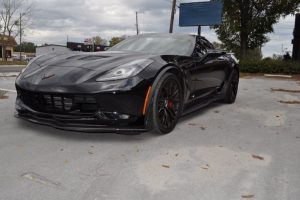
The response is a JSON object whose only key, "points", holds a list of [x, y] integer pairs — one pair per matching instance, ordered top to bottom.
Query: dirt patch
{"points": [[250, 75], [295, 77], [284, 90], [3, 94], [3, 97], [290, 102], [192, 124], [258, 157], [248, 196]]}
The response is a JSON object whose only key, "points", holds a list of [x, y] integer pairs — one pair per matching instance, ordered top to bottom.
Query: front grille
{"points": [[58, 103]]}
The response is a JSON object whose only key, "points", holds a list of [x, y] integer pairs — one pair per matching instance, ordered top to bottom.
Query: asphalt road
{"points": [[11, 68], [249, 150]]}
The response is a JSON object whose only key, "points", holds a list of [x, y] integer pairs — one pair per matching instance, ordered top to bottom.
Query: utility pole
{"points": [[172, 16], [137, 23], [20, 37], [296, 40]]}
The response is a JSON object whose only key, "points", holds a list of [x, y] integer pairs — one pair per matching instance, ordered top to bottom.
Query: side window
{"points": [[207, 44], [200, 49]]}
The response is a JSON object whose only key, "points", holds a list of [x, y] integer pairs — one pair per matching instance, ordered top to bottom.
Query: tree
{"points": [[12, 13], [246, 22], [116, 40], [99, 41], [219, 46], [27, 47], [254, 54]]}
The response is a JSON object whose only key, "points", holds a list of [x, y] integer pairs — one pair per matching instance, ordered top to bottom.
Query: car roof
{"points": [[167, 35]]}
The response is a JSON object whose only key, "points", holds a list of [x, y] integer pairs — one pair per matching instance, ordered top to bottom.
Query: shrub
{"points": [[270, 66]]}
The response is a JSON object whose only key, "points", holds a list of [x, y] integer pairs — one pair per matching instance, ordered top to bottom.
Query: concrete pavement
{"points": [[11, 68], [248, 150]]}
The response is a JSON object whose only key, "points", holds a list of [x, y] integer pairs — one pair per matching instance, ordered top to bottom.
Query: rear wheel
{"points": [[232, 89], [167, 104]]}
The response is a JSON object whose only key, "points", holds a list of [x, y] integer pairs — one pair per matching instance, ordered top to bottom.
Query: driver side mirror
{"points": [[208, 56]]}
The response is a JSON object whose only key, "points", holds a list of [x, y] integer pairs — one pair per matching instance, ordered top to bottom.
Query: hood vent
{"points": [[92, 57]]}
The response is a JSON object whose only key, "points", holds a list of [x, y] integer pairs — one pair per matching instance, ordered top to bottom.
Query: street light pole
{"points": [[172, 16]]}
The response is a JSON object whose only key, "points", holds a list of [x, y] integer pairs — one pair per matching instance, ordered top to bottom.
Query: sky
{"points": [[53, 21]]}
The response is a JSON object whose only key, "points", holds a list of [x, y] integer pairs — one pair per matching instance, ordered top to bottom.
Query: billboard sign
{"points": [[201, 13], [88, 41]]}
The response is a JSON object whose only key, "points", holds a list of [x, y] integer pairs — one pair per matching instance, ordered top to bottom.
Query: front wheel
{"points": [[167, 104]]}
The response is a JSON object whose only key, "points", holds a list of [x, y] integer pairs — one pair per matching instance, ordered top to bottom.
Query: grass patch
{"points": [[13, 62], [270, 67]]}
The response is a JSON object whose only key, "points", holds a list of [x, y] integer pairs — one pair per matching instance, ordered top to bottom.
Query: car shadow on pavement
{"points": [[201, 111], [81, 136], [114, 137]]}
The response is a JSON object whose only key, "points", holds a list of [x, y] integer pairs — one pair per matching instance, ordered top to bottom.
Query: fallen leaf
{"points": [[192, 124], [203, 128], [90, 152], [177, 154], [258, 157], [66, 162], [166, 166], [204, 168], [248, 196]]}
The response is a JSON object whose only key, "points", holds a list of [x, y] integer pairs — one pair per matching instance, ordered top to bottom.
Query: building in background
{"points": [[9, 43], [85, 47], [50, 48]]}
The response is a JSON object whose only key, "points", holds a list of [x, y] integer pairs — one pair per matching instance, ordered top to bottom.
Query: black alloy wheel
{"points": [[232, 89], [167, 104]]}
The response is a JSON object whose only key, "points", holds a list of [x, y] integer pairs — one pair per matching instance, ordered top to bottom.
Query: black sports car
{"points": [[143, 83]]}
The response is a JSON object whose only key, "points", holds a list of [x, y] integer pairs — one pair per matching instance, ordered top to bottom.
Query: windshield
{"points": [[182, 45]]}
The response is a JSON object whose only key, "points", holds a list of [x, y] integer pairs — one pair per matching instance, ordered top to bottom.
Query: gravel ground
{"points": [[249, 150]]}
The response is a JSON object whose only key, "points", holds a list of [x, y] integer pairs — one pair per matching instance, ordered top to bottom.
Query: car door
{"points": [[208, 72]]}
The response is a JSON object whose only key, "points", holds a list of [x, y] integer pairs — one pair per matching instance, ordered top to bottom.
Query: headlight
{"points": [[125, 71]]}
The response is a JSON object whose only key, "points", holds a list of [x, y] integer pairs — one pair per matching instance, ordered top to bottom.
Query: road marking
{"points": [[6, 90]]}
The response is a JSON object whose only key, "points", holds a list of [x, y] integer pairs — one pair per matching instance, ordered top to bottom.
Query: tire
{"points": [[232, 89], [167, 104]]}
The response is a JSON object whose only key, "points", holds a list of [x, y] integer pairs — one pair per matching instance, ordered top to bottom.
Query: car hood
{"points": [[98, 61], [73, 68]]}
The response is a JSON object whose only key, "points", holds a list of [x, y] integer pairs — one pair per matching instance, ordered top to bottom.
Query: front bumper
{"points": [[75, 123]]}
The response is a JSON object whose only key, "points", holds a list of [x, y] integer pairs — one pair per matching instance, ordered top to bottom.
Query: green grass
{"points": [[13, 63], [270, 67]]}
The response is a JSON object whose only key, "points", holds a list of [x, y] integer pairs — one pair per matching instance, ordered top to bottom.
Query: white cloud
{"points": [[53, 20]]}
